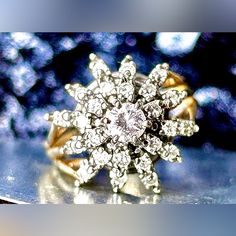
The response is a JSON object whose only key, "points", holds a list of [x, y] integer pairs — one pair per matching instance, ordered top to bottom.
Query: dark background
{"points": [[35, 66]]}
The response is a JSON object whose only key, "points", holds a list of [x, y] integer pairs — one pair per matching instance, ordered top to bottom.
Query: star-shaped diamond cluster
{"points": [[123, 123]]}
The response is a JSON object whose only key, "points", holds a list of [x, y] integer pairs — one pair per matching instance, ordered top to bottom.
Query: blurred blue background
{"points": [[35, 66]]}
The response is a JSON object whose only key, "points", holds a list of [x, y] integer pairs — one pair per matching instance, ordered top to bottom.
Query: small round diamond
{"points": [[127, 69], [159, 74], [106, 88], [126, 90], [148, 91], [80, 93], [172, 98], [95, 106], [153, 109], [62, 118], [80, 120], [126, 122], [169, 128], [95, 137], [153, 144], [171, 153], [101, 157], [121, 159], [143, 163], [85, 172], [118, 178]]}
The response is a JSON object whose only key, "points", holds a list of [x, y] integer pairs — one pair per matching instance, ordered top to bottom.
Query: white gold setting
{"points": [[123, 124]]}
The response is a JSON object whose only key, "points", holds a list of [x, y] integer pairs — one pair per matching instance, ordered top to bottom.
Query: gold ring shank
{"points": [[58, 136]]}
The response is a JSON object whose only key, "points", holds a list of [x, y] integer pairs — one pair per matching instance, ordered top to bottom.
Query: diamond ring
{"points": [[125, 121]]}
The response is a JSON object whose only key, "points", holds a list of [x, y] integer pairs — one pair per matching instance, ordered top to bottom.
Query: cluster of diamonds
{"points": [[122, 124]]}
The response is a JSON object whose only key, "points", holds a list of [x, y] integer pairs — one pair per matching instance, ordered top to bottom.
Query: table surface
{"points": [[27, 176]]}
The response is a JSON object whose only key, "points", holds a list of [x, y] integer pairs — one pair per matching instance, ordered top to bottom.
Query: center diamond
{"points": [[127, 122]]}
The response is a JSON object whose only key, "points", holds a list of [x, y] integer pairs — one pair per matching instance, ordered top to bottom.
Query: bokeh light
{"points": [[176, 44], [34, 68]]}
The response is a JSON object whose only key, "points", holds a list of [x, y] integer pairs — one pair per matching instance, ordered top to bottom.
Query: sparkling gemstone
{"points": [[98, 67], [127, 69], [159, 74], [106, 88], [126, 90], [77, 91], [148, 91], [80, 92], [173, 97], [95, 106], [153, 109], [62, 118], [80, 120], [127, 122], [187, 127], [169, 128], [196, 128], [95, 137], [153, 144], [170, 152], [101, 157], [121, 159], [143, 163], [84, 173], [118, 178], [150, 179]]}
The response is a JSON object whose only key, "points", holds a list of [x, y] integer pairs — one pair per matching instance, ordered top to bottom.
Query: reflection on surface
{"points": [[27, 176], [56, 187]]}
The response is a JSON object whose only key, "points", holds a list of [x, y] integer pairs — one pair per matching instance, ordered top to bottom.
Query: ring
{"points": [[125, 121]]}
